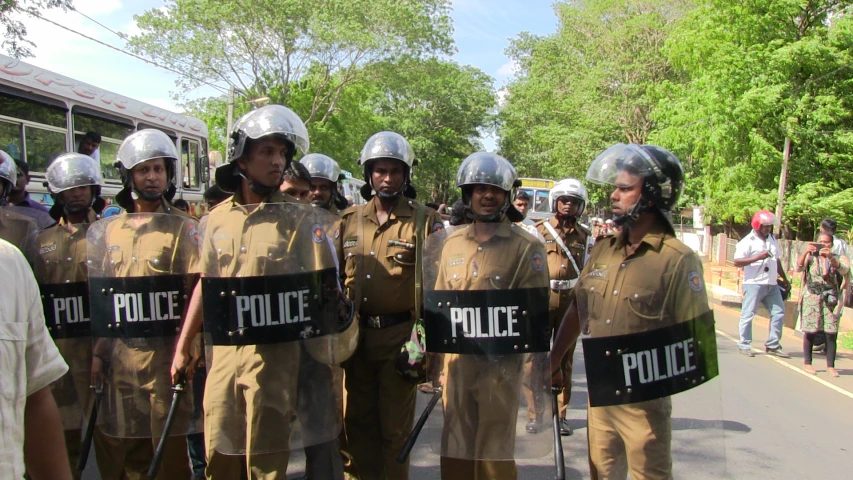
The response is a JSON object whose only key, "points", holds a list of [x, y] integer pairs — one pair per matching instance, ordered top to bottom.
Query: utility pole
{"points": [[230, 115], [783, 182]]}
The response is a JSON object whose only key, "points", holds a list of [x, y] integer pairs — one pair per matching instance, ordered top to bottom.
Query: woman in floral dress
{"points": [[820, 307]]}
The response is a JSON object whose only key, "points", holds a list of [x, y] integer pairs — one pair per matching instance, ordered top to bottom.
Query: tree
{"points": [[16, 43], [265, 47], [750, 75], [595, 82]]}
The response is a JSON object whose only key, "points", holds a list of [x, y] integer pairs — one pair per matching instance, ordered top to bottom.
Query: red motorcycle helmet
{"points": [[762, 217]]}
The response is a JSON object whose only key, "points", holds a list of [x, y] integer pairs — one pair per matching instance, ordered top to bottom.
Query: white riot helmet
{"points": [[270, 120], [387, 145], [140, 147], [325, 167], [483, 168], [72, 170], [8, 174], [568, 187]]}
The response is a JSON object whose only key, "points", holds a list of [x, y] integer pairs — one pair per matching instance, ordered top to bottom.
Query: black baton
{"points": [[177, 391], [90, 428], [558, 440], [410, 441]]}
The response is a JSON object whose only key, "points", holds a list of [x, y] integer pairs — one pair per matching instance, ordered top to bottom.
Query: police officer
{"points": [[325, 175], [74, 182], [297, 182], [15, 228], [566, 241], [377, 243], [640, 280], [139, 368], [481, 392], [248, 433]]}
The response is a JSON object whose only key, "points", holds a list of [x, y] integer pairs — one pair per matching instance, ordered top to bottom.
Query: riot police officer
{"points": [[325, 175], [74, 182], [15, 228], [150, 241], [265, 241], [566, 242], [377, 244], [641, 280], [486, 335]]}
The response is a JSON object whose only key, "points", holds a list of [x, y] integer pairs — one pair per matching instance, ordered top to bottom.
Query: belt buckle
{"points": [[374, 322]]}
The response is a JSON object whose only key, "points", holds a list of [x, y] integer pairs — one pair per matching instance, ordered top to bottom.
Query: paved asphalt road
{"points": [[763, 418]]}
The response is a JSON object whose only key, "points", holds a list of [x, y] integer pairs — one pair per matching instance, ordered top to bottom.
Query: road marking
{"points": [[788, 365]]}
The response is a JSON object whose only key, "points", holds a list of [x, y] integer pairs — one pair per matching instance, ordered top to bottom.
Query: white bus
{"points": [[44, 114]]}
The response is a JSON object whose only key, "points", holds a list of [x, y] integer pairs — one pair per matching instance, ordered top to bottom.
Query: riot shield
{"points": [[18, 229], [59, 264], [139, 280], [485, 312], [276, 324], [651, 367]]}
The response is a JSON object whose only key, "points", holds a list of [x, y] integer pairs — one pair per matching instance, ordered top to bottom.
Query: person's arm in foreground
{"points": [[44, 441]]}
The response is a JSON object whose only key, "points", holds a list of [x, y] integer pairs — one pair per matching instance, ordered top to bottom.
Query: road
{"points": [[763, 418]]}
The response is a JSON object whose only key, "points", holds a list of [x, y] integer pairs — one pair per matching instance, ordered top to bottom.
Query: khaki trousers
{"points": [[380, 406], [480, 408], [633, 438]]}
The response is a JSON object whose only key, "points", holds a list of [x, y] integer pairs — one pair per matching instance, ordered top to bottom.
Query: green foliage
{"points": [[15, 42], [751, 74]]}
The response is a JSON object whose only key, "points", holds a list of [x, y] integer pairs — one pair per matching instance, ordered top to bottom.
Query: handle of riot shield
{"points": [[177, 390], [413, 437], [86, 446], [559, 459]]}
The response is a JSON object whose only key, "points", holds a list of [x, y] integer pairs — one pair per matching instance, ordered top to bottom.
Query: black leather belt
{"points": [[385, 321]]}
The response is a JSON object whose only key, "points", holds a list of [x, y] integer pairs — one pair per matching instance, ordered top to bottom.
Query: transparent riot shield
{"points": [[18, 229], [60, 267], [139, 281], [486, 314], [276, 326], [651, 368]]}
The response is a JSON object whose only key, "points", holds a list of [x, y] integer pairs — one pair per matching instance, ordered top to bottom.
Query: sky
{"points": [[482, 31]]}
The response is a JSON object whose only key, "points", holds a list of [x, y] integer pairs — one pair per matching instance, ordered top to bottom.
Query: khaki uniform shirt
{"points": [[576, 239], [246, 242], [139, 245], [62, 252], [386, 278], [661, 284]]}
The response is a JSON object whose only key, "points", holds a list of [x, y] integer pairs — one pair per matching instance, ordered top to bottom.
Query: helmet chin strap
{"points": [[259, 189], [389, 196], [148, 197]]}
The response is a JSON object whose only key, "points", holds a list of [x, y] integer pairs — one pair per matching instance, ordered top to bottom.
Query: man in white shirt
{"points": [[758, 255], [31, 429]]}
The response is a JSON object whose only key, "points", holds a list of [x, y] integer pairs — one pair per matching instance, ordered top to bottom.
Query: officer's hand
{"points": [[180, 366], [97, 374], [557, 378]]}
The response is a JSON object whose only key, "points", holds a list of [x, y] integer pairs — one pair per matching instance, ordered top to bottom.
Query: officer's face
{"points": [[265, 161], [387, 175], [150, 176], [296, 188], [321, 191], [628, 192], [77, 197], [487, 199], [521, 206], [568, 206]]}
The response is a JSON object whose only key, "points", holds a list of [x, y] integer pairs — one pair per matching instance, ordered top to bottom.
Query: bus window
{"points": [[44, 130], [112, 133], [10, 139], [189, 162], [542, 202]]}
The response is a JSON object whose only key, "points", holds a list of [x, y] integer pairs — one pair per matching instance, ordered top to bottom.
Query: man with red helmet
{"points": [[758, 255]]}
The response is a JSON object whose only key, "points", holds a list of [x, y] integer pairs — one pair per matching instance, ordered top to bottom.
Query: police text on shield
{"points": [[146, 307], [71, 308], [272, 308], [473, 322], [655, 364]]}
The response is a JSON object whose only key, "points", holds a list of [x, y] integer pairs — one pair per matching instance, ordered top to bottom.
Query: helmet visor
{"points": [[146, 145], [387, 145], [608, 165], [321, 166], [486, 169], [72, 170]]}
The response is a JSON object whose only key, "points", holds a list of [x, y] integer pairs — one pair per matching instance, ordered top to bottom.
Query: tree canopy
{"points": [[15, 41]]}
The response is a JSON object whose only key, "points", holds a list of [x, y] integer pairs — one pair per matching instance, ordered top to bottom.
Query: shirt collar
{"points": [[403, 208], [654, 238]]}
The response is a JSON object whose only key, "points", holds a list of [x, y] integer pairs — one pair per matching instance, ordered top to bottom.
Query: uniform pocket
{"points": [[590, 298], [643, 302], [13, 349]]}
